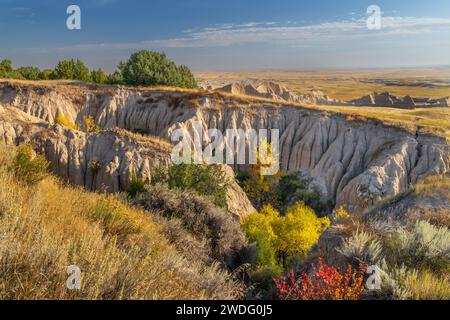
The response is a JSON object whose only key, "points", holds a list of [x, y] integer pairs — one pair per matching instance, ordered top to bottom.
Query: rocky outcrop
{"points": [[276, 91], [385, 99], [388, 100], [40, 101], [444, 102], [104, 161], [101, 162], [353, 163]]}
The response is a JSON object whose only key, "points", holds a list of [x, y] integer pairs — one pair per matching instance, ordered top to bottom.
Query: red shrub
{"points": [[325, 283]]}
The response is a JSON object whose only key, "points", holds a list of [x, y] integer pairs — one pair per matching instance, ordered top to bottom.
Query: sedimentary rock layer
{"points": [[353, 163]]}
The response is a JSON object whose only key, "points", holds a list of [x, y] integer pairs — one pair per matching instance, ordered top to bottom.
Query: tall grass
{"points": [[121, 251], [414, 261]]}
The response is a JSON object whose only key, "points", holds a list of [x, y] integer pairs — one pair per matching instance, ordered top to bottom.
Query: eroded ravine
{"points": [[354, 163]]}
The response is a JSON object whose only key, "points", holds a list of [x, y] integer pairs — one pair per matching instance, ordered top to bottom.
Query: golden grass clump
{"points": [[65, 122], [434, 186], [121, 251], [426, 285]]}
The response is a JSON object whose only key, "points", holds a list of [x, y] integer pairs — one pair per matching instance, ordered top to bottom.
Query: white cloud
{"points": [[289, 34]]}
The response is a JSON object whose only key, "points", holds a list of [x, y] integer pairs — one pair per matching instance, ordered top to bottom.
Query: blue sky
{"points": [[229, 34]]}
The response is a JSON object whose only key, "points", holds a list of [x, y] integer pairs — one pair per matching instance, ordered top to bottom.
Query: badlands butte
{"points": [[353, 160]]}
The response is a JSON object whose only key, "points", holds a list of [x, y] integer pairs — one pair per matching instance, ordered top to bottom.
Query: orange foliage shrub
{"points": [[325, 283]]}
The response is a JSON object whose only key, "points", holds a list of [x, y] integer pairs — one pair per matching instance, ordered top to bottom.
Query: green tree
{"points": [[6, 68], [148, 68], [72, 70], [29, 73], [46, 74], [98, 76], [114, 78], [187, 79], [206, 180], [292, 188], [262, 189], [259, 229], [298, 231], [281, 238]]}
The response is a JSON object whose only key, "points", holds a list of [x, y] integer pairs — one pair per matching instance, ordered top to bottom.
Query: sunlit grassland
{"points": [[348, 84], [433, 120], [121, 250]]}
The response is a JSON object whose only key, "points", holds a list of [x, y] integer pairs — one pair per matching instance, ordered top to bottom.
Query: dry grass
{"points": [[346, 84], [431, 120], [154, 142], [434, 186], [438, 216], [120, 250], [428, 286]]}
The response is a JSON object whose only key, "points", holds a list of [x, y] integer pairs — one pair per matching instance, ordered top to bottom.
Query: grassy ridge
{"points": [[433, 120], [121, 250]]}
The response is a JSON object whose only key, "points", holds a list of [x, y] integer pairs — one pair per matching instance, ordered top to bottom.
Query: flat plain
{"points": [[346, 85]]}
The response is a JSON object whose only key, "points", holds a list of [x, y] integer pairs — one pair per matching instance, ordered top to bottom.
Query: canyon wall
{"points": [[104, 162], [353, 163]]}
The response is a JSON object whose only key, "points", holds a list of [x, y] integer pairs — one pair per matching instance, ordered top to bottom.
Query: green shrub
{"points": [[6, 69], [46, 74], [187, 79], [28, 166], [206, 180], [136, 186], [292, 189], [111, 216], [201, 218], [259, 228], [425, 246]]}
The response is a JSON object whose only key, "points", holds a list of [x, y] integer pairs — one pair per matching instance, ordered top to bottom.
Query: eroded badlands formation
{"points": [[276, 91], [279, 92], [353, 163]]}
